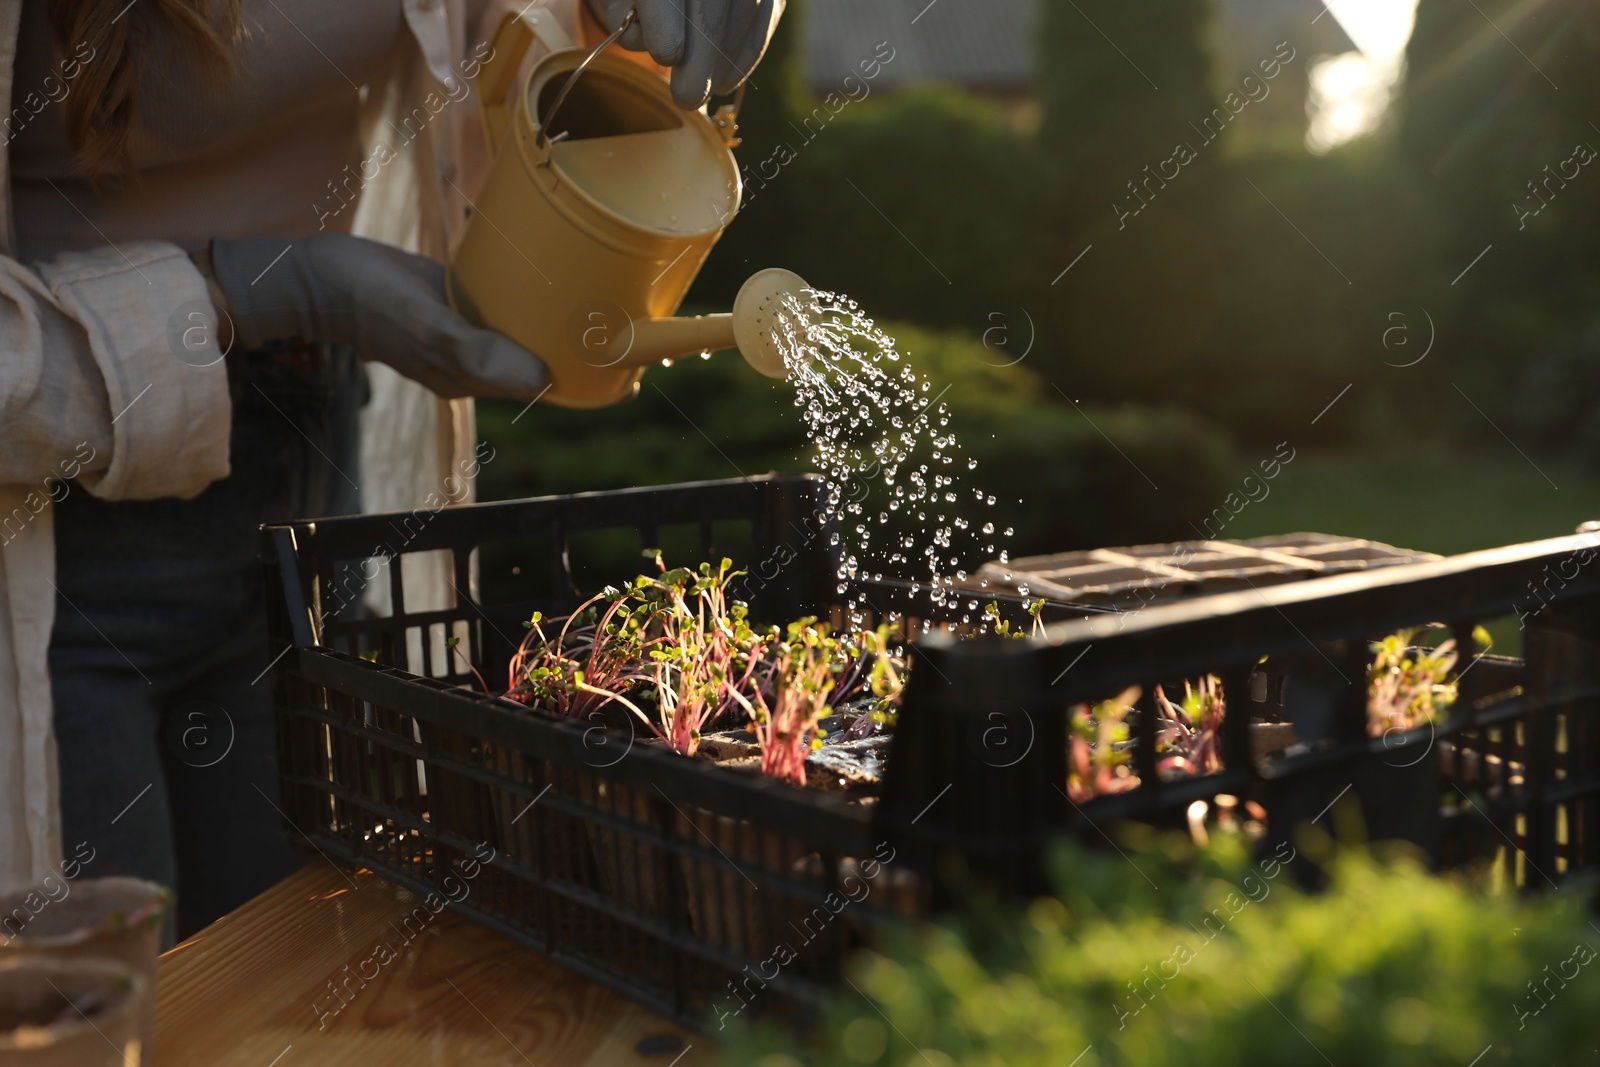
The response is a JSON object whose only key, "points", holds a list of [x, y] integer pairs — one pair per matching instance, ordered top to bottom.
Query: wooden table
{"points": [[257, 989]]}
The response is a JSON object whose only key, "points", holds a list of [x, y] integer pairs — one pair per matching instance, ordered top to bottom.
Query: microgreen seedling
{"points": [[1003, 628], [454, 645], [674, 650], [1408, 686], [787, 711], [1190, 738], [1099, 759]]}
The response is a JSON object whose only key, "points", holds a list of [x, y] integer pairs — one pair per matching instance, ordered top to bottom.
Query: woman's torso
{"points": [[260, 153]]}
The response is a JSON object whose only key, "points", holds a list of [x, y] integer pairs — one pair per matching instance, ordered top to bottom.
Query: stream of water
{"points": [[870, 416]]}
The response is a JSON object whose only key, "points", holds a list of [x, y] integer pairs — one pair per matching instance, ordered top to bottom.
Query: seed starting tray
{"points": [[1129, 578]]}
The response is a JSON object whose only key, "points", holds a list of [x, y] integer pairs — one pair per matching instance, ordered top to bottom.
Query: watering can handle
{"points": [[516, 31], [726, 118], [543, 124]]}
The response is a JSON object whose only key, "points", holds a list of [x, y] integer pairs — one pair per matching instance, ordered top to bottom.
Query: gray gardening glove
{"points": [[711, 45], [387, 304]]}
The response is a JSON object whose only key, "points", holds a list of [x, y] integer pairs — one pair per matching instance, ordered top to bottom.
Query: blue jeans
{"points": [[163, 710]]}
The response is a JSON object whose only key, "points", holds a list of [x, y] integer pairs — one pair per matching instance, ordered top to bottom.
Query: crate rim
{"points": [[336, 523]]}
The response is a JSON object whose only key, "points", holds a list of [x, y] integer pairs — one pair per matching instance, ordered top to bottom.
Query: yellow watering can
{"points": [[602, 203]]}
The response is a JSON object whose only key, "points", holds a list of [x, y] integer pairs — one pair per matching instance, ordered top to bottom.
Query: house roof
{"points": [[1249, 30], [980, 44], [988, 44]]}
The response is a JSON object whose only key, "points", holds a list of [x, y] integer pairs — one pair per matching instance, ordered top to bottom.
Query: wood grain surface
{"points": [[341, 967]]}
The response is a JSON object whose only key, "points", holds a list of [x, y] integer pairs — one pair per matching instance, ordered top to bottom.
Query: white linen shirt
{"points": [[149, 415]]}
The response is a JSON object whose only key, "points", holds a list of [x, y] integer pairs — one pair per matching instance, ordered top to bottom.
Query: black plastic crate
{"points": [[1510, 776], [682, 885], [697, 890]]}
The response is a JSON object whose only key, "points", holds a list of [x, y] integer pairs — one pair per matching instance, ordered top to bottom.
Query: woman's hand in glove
{"points": [[711, 45], [387, 304]]}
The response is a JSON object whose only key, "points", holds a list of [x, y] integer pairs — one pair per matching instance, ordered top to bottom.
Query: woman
{"points": [[188, 333]]}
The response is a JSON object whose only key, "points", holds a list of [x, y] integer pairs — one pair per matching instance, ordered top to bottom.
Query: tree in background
{"points": [[1119, 84], [1497, 101], [917, 204], [1240, 278], [1260, 281]]}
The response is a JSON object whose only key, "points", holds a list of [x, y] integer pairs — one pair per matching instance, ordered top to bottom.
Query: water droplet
{"points": [[865, 419]]}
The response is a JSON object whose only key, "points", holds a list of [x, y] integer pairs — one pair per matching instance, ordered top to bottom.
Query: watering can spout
{"points": [[750, 327]]}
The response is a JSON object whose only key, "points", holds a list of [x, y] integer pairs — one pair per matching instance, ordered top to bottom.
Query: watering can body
{"points": [[587, 234]]}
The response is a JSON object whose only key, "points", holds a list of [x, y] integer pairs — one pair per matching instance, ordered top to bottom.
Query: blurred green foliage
{"points": [[1106, 114], [1488, 126], [910, 205], [1248, 293], [715, 419], [1227, 963]]}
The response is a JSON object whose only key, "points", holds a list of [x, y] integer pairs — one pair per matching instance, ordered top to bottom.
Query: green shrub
{"points": [[1109, 112], [914, 204], [1211, 300], [698, 420], [1089, 477], [1080, 485], [1226, 964]]}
